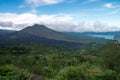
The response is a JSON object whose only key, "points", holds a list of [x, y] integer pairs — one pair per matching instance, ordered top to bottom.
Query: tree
{"points": [[117, 38], [111, 54], [9, 72]]}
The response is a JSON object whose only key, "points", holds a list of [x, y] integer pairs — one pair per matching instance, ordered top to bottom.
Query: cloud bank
{"points": [[58, 22]]}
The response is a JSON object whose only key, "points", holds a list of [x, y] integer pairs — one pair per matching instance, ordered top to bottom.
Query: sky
{"points": [[61, 15]]}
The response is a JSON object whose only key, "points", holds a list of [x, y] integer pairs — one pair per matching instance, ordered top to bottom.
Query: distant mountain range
{"points": [[2, 31], [95, 33], [42, 35], [106, 35]]}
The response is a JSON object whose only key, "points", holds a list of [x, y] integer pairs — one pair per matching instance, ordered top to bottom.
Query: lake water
{"points": [[104, 36]]}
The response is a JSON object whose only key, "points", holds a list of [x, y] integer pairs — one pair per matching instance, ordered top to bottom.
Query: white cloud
{"points": [[89, 1], [42, 2], [37, 3], [109, 5], [21, 6], [113, 12], [30, 18], [60, 22], [11, 25], [96, 26]]}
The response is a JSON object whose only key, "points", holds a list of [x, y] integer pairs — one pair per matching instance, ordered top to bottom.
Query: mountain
{"points": [[2, 31], [43, 31], [36, 34], [42, 34]]}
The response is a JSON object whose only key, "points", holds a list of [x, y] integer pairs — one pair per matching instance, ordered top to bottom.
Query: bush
{"points": [[8, 72], [86, 72], [74, 73], [110, 75]]}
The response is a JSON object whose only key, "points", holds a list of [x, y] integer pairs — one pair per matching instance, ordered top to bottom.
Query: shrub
{"points": [[9, 72]]}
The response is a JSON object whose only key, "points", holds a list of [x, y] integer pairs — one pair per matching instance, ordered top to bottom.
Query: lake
{"points": [[104, 36]]}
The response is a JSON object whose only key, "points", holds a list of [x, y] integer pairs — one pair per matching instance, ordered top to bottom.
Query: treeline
{"points": [[32, 62]]}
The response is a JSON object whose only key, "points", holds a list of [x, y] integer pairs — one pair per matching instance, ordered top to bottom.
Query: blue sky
{"points": [[61, 15]]}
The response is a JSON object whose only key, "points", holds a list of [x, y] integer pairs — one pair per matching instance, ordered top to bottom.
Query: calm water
{"points": [[104, 36]]}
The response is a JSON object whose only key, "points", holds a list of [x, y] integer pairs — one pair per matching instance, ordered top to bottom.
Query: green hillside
{"points": [[46, 62]]}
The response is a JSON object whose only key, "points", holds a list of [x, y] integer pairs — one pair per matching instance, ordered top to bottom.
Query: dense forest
{"points": [[45, 62]]}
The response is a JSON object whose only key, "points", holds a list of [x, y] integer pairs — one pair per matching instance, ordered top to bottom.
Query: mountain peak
{"points": [[38, 26], [42, 31]]}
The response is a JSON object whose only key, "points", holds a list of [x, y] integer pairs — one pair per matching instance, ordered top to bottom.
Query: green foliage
{"points": [[111, 56], [60, 63], [8, 72], [86, 72], [74, 73], [110, 75]]}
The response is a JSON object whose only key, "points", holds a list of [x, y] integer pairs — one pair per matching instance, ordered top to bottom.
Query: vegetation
{"points": [[44, 62], [9, 72]]}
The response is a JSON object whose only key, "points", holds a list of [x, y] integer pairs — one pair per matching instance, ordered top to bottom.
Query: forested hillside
{"points": [[45, 62]]}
